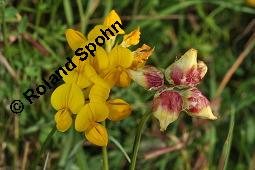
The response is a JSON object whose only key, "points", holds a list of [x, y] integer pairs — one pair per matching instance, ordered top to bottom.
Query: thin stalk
{"points": [[137, 140], [45, 144], [105, 156]]}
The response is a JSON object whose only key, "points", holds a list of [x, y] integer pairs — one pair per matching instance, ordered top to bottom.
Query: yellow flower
{"points": [[251, 2], [111, 18], [74, 38], [131, 38], [141, 55], [120, 59], [78, 75], [66, 99], [118, 109], [94, 111]]}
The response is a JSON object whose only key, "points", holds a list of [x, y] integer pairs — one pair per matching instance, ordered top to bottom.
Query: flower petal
{"points": [[111, 18], [95, 32], [74, 38], [131, 38], [141, 55], [120, 57], [101, 60], [124, 79], [68, 95], [118, 109], [89, 114], [84, 118], [63, 120], [97, 135]]}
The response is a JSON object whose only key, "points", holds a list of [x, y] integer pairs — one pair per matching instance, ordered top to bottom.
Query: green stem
{"points": [[137, 140], [45, 144], [105, 155]]}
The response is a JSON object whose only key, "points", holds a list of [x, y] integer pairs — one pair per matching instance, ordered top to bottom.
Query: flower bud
{"points": [[186, 71], [148, 77], [197, 105], [167, 106], [118, 109], [97, 135]]}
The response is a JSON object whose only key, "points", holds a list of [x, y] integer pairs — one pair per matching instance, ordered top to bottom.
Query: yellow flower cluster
{"points": [[84, 95]]}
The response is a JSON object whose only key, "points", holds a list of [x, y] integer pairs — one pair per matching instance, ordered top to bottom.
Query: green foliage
{"points": [[33, 32]]}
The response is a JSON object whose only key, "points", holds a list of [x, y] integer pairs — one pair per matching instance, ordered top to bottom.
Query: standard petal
{"points": [[111, 18], [95, 32], [74, 38], [120, 57], [101, 60], [98, 93], [68, 95], [118, 109], [63, 120], [97, 135]]}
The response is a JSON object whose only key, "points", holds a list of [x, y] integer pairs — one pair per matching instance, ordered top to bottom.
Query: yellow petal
{"points": [[111, 18], [95, 32], [74, 38], [131, 38], [141, 55], [120, 57], [101, 60], [90, 72], [78, 75], [111, 76], [124, 79], [99, 92], [68, 95], [118, 109], [100, 111], [89, 114], [84, 118], [63, 120], [97, 135]]}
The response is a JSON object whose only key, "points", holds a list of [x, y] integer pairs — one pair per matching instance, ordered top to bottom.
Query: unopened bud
{"points": [[186, 72], [148, 77], [197, 105], [167, 106]]}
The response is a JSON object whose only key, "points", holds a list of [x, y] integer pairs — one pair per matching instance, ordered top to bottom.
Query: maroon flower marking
{"points": [[169, 100], [197, 101]]}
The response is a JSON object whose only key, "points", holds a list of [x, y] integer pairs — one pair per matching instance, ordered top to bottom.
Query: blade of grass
{"points": [[68, 12], [227, 146], [120, 148]]}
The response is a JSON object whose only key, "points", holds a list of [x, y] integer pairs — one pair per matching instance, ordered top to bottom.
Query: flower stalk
{"points": [[137, 140], [105, 155]]}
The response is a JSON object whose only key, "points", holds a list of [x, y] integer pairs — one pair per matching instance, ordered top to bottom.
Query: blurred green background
{"points": [[33, 45]]}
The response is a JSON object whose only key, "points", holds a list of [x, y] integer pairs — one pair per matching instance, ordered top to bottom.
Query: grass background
{"points": [[33, 45]]}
